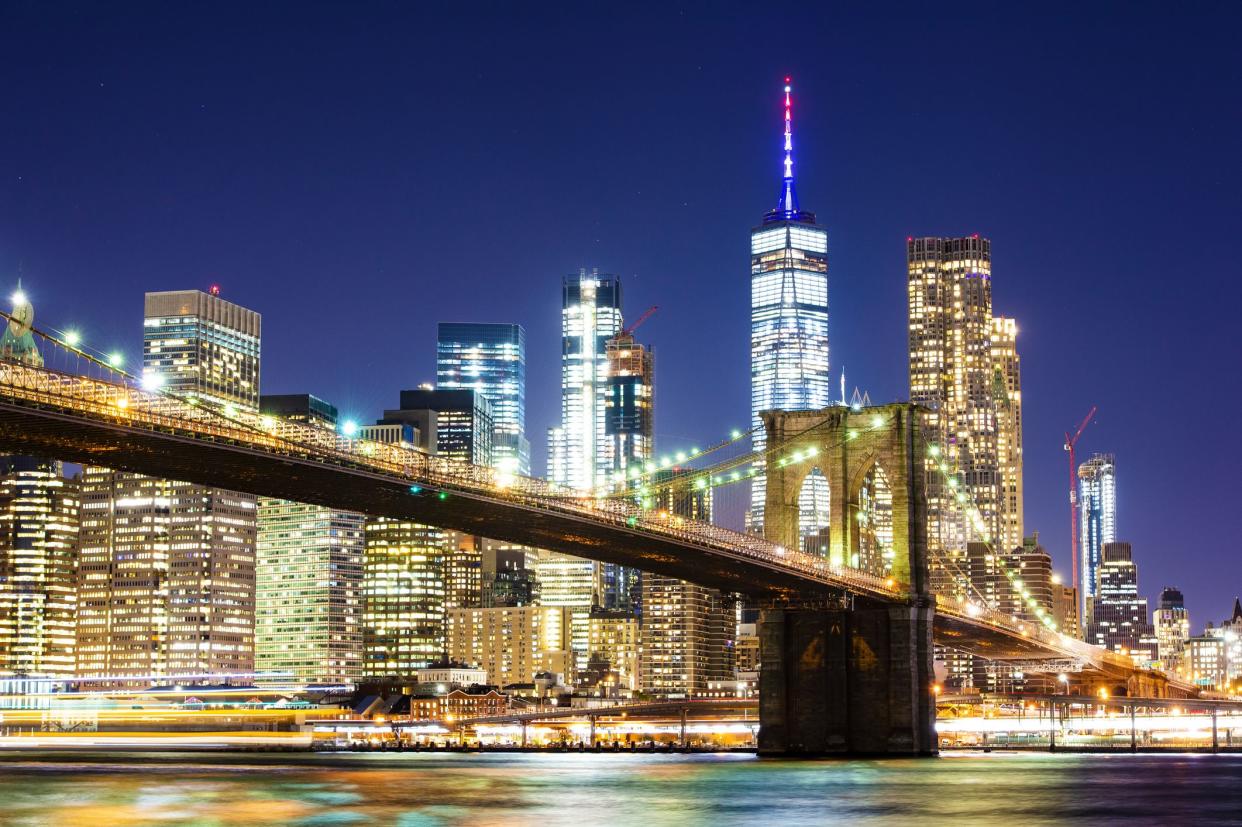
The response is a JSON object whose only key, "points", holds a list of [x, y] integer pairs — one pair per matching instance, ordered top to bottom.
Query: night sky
{"points": [[359, 173]]}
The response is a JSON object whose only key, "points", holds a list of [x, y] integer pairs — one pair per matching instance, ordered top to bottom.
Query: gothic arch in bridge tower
{"points": [[873, 459]]}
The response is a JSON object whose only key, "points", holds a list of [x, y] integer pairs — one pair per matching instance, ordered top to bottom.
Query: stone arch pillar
{"points": [[845, 444]]}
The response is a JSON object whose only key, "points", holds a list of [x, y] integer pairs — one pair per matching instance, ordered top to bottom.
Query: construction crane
{"points": [[626, 331], [1071, 443]]}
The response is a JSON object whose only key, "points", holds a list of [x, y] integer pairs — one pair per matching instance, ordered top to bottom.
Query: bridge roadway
{"points": [[117, 425]]}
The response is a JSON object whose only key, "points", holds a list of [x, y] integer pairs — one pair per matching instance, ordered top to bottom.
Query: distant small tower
{"points": [[17, 343]]}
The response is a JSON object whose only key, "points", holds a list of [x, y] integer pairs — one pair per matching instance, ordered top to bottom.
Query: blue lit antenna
{"points": [[789, 199], [787, 206]]}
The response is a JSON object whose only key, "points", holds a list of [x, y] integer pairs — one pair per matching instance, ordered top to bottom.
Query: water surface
{"points": [[650, 790]]}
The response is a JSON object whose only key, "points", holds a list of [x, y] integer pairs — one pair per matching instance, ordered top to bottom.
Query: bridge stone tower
{"points": [[845, 674]]}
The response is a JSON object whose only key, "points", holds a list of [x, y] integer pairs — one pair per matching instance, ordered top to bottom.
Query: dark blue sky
{"points": [[359, 172]]}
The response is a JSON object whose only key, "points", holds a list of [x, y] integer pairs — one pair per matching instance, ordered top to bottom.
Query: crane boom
{"points": [[637, 322], [1071, 444]]}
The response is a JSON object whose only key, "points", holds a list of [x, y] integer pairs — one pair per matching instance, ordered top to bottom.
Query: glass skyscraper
{"points": [[789, 327], [490, 359], [461, 420], [579, 449], [1097, 499]]}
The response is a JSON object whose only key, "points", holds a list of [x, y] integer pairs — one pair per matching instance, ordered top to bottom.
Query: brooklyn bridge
{"points": [[846, 650]]}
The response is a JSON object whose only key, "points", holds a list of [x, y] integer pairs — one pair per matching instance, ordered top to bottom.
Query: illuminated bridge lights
{"points": [[88, 401], [976, 521]]}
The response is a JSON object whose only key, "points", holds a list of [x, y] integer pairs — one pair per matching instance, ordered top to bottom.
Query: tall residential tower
{"points": [[964, 368], [1097, 503]]}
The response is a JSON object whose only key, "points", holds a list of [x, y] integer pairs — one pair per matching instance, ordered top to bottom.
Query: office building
{"points": [[789, 327], [490, 359], [964, 368], [629, 406], [461, 420], [629, 426], [579, 450], [1097, 510], [38, 540], [38, 567], [167, 568], [463, 570], [508, 575], [1031, 580], [573, 584], [1018, 584], [403, 597], [1065, 608], [308, 615], [1119, 620], [1172, 625], [688, 629], [1229, 633], [512, 643], [615, 645], [1205, 661]]}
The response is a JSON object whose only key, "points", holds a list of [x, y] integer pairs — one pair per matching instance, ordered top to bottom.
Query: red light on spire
{"points": [[788, 79]]}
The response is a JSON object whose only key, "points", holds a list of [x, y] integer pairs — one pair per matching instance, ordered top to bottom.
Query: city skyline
{"points": [[63, 290]]}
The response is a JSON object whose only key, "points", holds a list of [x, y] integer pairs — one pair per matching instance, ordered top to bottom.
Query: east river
{"points": [[546, 790]]}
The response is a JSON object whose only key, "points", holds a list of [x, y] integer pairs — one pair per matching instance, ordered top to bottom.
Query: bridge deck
{"points": [[80, 419]]}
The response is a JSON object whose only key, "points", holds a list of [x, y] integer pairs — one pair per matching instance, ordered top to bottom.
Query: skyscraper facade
{"points": [[789, 327], [490, 359], [964, 368], [1007, 393], [629, 406], [461, 418], [629, 427], [579, 449], [1097, 503], [38, 540], [38, 567], [167, 568], [574, 584], [308, 595], [403, 597], [1119, 620], [1172, 628], [688, 629], [513, 644]]}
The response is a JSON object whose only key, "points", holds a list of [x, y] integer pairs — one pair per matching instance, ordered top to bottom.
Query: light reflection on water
{"points": [[413, 790]]}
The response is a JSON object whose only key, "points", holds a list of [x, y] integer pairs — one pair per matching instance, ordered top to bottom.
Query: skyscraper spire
{"points": [[789, 198], [787, 205]]}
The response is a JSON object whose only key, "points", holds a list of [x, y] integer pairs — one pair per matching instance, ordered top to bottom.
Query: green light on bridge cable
{"points": [[414, 489], [443, 495]]}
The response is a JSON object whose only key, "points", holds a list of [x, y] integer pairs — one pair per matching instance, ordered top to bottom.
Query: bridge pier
{"points": [[837, 681]]}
